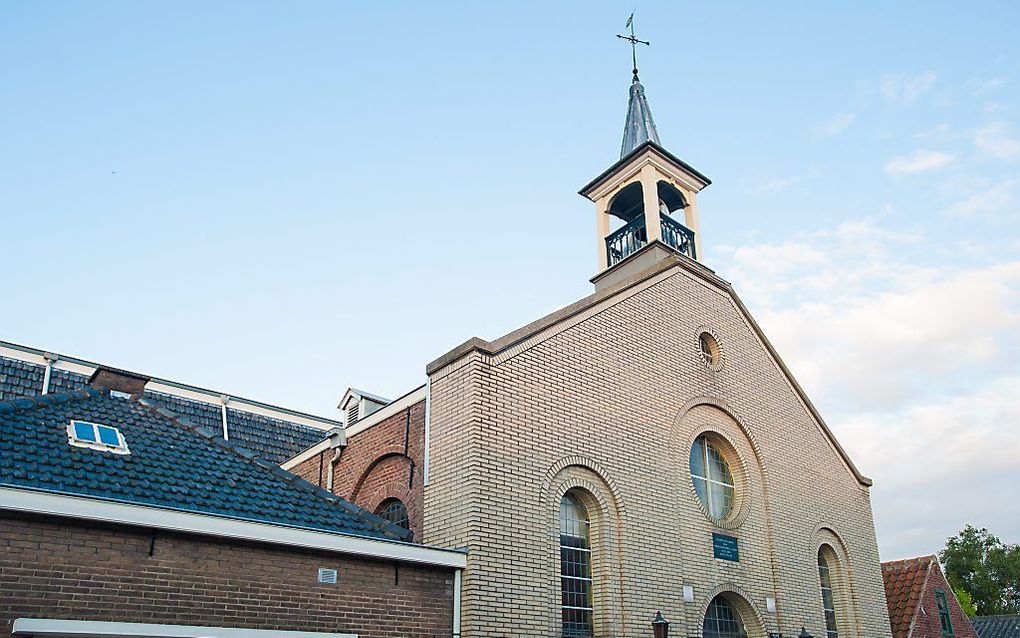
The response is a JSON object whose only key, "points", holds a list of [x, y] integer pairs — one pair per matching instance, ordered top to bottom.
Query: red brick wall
{"points": [[374, 466], [59, 568], [926, 621]]}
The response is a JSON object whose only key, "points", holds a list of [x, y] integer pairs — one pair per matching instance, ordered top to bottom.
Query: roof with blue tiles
{"points": [[273, 439], [171, 463]]}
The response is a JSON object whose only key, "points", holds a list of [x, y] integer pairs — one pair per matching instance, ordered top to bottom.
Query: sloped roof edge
{"points": [[477, 344]]}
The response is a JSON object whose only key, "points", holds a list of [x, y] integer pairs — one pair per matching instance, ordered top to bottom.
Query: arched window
{"points": [[393, 510], [575, 567], [828, 600], [722, 620]]}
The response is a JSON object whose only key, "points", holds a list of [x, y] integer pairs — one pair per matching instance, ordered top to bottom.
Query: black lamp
{"points": [[660, 626], [804, 633]]}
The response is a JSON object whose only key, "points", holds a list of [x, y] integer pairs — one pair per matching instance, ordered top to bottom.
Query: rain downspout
{"points": [[50, 360], [223, 414], [428, 419], [337, 443], [456, 602]]}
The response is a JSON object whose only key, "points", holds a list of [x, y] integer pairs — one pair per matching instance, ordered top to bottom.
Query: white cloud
{"points": [[904, 89], [836, 124], [996, 140], [919, 162], [775, 185], [990, 200], [916, 368]]}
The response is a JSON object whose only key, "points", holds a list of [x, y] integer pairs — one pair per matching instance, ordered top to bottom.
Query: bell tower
{"points": [[646, 203]]}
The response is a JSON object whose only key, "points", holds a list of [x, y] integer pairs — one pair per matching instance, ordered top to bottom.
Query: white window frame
{"points": [[72, 437], [710, 481]]}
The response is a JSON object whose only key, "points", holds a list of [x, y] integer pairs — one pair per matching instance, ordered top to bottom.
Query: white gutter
{"points": [[202, 395], [85, 508], [90, 628]]}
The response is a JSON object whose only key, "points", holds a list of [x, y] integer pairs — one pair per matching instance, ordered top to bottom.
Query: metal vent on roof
{"points": [[352, 414], [327, 575]]}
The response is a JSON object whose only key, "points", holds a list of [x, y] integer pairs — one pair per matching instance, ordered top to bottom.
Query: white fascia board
{"points": [[202, 395], [414, 396], [85, 508], [90, 628]]}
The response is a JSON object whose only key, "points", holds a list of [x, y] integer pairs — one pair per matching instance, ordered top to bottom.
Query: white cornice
{"points": [[91, 509], [92, 628]]}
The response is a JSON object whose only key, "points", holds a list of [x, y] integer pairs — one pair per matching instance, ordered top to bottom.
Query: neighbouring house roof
{"points": [[272, 432], [173, 463], [904, 587], [910, 587], [997, 626]]}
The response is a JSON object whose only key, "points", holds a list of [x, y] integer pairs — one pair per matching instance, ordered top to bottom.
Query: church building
{"points": [[642, 450], [638, 462]]}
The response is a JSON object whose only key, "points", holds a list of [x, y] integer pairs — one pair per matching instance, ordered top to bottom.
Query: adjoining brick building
{"points": [[643, 449], [120, 518], [921, 601]]}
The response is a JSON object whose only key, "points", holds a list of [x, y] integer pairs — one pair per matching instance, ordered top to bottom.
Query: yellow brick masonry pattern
{"points": [[612, 404]]}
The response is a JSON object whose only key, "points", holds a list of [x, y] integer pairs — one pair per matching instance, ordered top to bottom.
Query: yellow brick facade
{"points": [[607, 400]]}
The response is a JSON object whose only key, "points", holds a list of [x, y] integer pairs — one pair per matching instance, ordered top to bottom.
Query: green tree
{"points": [[986, 569], [966, 602]]}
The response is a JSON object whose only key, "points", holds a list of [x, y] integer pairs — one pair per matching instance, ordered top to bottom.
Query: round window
{"points": [[711, 354], [713, 481]]}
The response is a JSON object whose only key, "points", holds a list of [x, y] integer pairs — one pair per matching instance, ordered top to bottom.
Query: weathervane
{"points": [[633, 41]]}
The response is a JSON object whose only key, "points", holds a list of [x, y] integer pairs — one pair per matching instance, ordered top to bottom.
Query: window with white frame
{"points": [[105, 438], [713, 481], [575, 567]]}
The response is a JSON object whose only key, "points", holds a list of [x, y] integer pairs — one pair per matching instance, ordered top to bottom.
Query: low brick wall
{"points": [[61, 568]]}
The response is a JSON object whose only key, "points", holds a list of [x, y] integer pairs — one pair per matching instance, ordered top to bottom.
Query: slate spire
{"points": [[639, 127]]}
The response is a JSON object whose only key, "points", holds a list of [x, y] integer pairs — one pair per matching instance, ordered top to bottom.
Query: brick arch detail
{"points": [[720, 404], [372, 496], [602, 498], [825, 533], [744, 605]]}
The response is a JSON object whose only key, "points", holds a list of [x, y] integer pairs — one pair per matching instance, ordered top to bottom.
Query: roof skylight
{"points": [[105, 438]]}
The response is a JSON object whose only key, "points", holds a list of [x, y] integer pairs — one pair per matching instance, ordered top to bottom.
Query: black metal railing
{"points": [[677, 236], [626, 240]]}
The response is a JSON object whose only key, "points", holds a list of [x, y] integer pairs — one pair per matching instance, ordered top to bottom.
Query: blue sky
{"points": [[279, 201]]}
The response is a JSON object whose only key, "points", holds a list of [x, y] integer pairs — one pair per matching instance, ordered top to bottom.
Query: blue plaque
{"points": [[725, 547]]}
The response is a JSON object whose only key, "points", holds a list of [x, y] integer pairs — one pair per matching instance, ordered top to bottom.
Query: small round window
{"points": [[711, 354], [713, 481]]}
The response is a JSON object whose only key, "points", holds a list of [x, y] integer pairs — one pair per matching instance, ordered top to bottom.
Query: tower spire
{"points": [[639, 127]]}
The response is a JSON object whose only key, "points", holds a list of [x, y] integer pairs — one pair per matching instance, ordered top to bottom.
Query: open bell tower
{"points": [[646, 203]]}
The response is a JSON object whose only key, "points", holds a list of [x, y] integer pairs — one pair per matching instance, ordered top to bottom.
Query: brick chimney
{"points": [[116, 380]]}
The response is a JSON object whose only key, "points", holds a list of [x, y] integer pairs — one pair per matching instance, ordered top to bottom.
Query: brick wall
{"points": [[609, 402], [381, 462], [58, 568], [926, 621]]}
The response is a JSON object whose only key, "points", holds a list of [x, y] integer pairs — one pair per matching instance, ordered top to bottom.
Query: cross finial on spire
{"points": [[633, 42]]}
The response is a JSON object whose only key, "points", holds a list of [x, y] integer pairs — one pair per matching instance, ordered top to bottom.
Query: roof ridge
{"points": [[41, 400], [290, 478]]}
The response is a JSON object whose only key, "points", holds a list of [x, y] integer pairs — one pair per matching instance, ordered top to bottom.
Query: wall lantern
{"points": [[660, 626], [804, 633]]}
